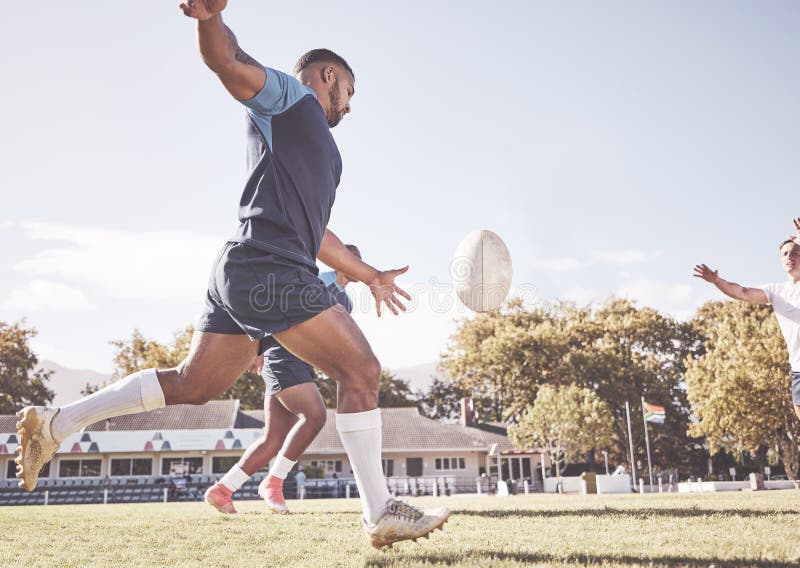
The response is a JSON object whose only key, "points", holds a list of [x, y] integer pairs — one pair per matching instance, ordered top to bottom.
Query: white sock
{"points": [[139, 392], [361, 437], [281, 467], [235, 478]]}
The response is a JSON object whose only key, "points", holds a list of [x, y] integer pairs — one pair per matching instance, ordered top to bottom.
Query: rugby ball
{"points": [[481, 271]]}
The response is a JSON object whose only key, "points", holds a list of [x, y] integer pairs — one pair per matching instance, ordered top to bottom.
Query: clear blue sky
{"points": [[612, 145]]}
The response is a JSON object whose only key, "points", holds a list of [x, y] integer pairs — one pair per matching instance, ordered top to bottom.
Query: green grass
{"points": [[725, 529]]}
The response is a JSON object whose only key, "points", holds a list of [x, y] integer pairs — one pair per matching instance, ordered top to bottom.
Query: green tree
{"points": [[619, 351], [138, 352], [21, 383], [739, 387], [567, 421]]}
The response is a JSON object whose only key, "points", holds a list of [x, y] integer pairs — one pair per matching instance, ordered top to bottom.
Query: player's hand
{"points": [[203, 9], [796, 223], [704, 272], [385, 291], [256, 366]]}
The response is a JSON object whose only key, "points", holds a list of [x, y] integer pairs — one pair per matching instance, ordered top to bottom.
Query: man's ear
{"points": [[327, 73]]}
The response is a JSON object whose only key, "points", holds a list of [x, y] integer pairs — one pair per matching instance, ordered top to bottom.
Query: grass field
{"points": [[724, 529]]}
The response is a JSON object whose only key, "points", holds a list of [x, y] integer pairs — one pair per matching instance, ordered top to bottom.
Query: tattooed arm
{"points": [[241, 75]]}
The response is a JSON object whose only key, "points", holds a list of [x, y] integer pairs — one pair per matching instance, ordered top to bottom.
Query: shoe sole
{"points": [[28, 422], [218, 508], [271, 508], [379, 544]]}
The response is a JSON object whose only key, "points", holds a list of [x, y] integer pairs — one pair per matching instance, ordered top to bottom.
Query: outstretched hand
{"points": [[203, 9], [796, 238], [704, 272], [385, 291]]}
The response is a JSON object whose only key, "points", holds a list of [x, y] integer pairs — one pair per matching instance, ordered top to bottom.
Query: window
{"points": [[450, 463], [223, 464], [131, 466], [181, 466], [142, 467], [388, 467], [414, 467], [79, 468], [526, 468]]}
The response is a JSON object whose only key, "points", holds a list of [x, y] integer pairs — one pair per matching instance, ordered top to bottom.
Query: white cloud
{"points": [[623, 257], [556, 264], [171, 265], [40, 295], [582, 295], [661, 295], [419, 334]]}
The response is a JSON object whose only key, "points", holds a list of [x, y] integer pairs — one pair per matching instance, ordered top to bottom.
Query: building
{"points": [[205, 441]]}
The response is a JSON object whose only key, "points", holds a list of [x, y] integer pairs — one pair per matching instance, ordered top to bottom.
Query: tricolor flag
{"points": [[653, 413]]}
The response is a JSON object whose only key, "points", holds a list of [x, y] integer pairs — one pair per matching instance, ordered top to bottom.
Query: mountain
{"points": [[419, 377], [67, 383]]}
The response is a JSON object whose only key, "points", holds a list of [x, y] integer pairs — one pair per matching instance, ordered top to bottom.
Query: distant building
{"points": [[207, 440]]}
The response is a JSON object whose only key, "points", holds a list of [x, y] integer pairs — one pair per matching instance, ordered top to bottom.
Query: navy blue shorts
{"points": [[259, 293], [282, 369], [796, 388]]}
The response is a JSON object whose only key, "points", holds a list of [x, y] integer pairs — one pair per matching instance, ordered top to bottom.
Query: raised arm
{"points": [[241, 75], [381, 283], [731, 289]]}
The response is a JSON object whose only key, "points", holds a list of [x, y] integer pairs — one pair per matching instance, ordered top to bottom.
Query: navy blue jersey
{"points": [[294, 169]]}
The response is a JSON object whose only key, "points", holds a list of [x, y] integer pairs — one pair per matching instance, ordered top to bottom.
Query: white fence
{"points": [[605, 484]]}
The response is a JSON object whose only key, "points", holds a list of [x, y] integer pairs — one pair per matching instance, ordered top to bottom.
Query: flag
{"points": [[653, 413]]}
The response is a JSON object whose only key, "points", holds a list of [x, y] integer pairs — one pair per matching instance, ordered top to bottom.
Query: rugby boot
{"points": [[36, 444], [271, 491], [220, 497], [402, 521]]}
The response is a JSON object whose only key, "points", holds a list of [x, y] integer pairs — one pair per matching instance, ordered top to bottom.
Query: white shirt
{"points": [[785, 300]]}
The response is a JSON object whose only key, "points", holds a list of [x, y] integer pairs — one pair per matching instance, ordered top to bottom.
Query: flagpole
{"points": [[630, 442], [647, 442]]}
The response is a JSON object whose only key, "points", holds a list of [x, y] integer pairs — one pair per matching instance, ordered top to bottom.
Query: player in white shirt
{"points": [[784, 297]]}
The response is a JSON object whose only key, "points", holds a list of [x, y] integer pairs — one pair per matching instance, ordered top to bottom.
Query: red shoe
{"points": [[271, 491], [219, 497]]}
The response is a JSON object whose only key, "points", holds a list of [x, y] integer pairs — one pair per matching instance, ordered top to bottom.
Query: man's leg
{"points": [[332, 342], [214, 363], [303, 401], [277, 423]]}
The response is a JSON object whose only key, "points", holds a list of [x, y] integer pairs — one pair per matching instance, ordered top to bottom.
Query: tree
{"points": [[619, 351], [139, 352], [21, 383], [739, 387], [567, 422]]}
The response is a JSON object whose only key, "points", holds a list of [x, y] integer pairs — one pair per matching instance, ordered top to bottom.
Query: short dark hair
{"points": [[317, 55], [786, 241]]}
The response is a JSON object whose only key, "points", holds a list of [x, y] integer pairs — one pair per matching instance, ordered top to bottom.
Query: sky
{"points": [[612, 145]]}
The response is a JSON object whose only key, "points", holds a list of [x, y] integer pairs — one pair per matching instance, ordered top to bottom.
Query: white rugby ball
{"points": [[481, 271]]}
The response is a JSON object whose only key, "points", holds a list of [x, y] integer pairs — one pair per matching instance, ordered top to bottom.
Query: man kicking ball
{"points": [[264, 282], [784, 297], [294, 413]]}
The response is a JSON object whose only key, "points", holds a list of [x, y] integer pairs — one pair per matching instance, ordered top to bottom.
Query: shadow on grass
{"points": [[635, 513], [482, 556]]}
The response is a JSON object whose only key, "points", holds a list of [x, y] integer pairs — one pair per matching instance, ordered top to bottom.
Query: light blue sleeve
{"points": [[279, 93], [328, 278]]}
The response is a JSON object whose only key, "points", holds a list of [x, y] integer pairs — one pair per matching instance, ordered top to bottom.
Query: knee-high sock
{"points": [[139, 392], [361, 437]]}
